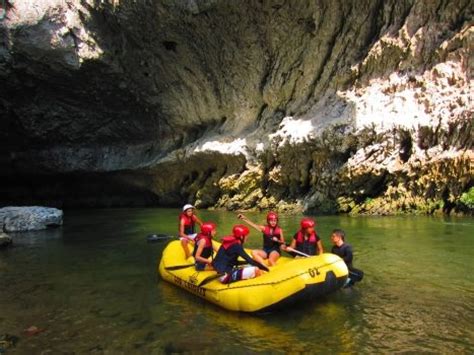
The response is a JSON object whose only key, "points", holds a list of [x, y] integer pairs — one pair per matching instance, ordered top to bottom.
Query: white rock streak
{"points": [[436, 97], [293, 130], [238, 146]]}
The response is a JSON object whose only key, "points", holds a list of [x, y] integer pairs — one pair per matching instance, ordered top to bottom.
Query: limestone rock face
{"points": [[326, 106], [19, 219]]}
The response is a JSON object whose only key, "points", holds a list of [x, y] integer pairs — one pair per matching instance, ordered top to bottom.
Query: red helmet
{"points": [[271, 215], [307, 223], [208, 227], [240, 231]]}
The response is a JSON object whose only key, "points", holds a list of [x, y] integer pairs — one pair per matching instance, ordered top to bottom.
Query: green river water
{"points": [[91, 286]]}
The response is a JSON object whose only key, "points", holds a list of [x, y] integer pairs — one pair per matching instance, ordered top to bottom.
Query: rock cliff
{"points": [[324, 106]]}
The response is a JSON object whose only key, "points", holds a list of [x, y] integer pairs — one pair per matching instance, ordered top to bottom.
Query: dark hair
{"points": [[340, 233]]}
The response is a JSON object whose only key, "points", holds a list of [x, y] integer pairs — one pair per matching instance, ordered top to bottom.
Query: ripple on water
{"points": [[93, 289]]}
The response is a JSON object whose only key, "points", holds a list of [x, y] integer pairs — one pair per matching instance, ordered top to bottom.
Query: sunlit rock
{"points": [[344, 106], [18, 219]]}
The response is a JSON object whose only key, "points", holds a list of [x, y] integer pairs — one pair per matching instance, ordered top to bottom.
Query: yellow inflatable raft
{"points": [[291, 280]]}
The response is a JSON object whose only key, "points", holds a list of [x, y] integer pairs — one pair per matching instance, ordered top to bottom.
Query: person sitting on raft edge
{"points": [[187, 221], [272, 239], [306, 240], [203, 246], [344, 251], [226, 260]]}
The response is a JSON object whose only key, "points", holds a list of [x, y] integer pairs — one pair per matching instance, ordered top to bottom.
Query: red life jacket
{"points": [[188, 223], [268, 234], [206, 237], [313, 237], [230, 240], [308, 246], [207, 251]]}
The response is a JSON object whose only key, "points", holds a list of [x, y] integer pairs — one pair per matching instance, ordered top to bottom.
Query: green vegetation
{"points": [[467, 198]]}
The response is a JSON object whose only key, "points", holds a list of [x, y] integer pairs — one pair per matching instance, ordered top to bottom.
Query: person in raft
{"points": [[187, 221], [272, 239], [306, 240], [203, 247], [344, 251], [226, 262]]}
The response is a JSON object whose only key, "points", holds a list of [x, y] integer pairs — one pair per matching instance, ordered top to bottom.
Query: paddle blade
{"points": [[153, 238]]}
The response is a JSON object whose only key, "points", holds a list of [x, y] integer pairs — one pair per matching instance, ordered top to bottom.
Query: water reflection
{"points": [[92, 285]]}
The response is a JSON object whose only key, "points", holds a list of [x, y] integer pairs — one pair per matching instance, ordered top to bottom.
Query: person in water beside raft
{"points": [[187, 221], [272, 239], [306, 240], [203, 246], [344, 251], [226, 260]]}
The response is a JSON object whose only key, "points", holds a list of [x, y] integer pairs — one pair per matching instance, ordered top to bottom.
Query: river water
{"points": [[91, 286]]}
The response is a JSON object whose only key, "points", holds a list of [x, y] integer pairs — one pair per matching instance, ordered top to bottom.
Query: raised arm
{"points": [[250, 223]]}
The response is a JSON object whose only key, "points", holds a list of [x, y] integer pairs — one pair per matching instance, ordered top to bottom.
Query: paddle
{"points": [[158, 237], [153, 238], [288, 248], [298, 252]]}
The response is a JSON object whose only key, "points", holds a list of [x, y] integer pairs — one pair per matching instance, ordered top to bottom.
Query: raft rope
{"points": [[274, 282]]}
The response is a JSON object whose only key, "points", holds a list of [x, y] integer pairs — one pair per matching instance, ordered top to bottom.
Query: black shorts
{"points": [[269, 250]]}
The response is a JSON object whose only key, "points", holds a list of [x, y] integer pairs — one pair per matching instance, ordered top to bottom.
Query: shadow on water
{"points": [[92, 286]]}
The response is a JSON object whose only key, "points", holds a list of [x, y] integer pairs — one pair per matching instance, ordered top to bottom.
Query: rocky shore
{"points": [[355, 107]]}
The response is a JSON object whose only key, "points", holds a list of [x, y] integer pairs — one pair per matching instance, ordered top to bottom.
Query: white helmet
{"points": [[187, 207]]}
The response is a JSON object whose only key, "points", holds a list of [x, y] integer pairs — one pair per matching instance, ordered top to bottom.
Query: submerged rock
{"points": [[18, 219], [5, 240], [7, 341]]}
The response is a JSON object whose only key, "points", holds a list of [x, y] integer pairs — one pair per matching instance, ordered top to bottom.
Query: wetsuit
{"points": [[345, 253]]}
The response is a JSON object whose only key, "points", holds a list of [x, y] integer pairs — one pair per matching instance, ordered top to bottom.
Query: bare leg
{"points": [[184, 244], [259, 255], [272, 259]]}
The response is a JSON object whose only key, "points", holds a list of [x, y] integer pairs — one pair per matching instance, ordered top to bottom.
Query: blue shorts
{"points": [[200, 266]]}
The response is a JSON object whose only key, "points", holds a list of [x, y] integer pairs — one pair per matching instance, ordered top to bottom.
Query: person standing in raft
{"points": [[187, 221], [272, 239], [306, 240], [203, 247], [344, 251], [226, 262]]}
